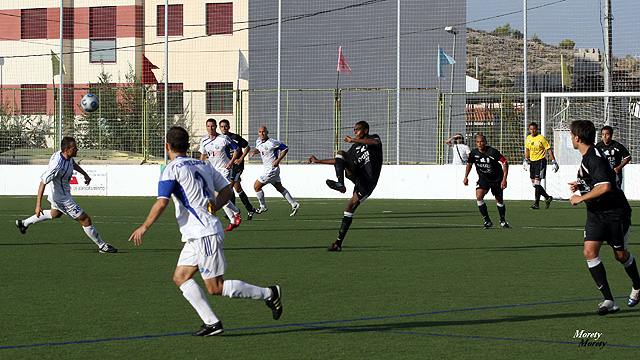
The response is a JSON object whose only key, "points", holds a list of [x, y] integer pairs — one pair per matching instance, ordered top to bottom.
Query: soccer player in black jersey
{"points": [[617, 154], [361, 164], [238, 166], [492, 170], [608, 214]]}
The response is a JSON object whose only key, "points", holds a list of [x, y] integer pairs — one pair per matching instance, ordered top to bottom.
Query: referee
{"points": [[536, 147], [608, 215]]}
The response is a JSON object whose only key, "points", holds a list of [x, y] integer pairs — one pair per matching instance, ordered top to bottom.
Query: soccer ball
{"points": [[90, 103]]}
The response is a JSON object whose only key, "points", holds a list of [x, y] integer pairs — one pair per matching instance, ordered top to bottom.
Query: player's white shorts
{"points": [[224, 172], [270, 176], [68, 207], [206, 253]]}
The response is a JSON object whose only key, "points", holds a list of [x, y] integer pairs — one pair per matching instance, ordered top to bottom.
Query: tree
{"points": [[503, 30], [517, 34], [536, 39], [567, 44]]}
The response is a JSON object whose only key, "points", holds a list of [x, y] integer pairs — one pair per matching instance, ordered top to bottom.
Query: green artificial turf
{"points": [[415, 279]]}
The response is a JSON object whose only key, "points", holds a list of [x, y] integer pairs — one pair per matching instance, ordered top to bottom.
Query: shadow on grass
{"points": [[419, 327]]}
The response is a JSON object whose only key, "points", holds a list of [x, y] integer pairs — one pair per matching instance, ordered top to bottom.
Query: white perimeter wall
{"points": [[308, 181]]}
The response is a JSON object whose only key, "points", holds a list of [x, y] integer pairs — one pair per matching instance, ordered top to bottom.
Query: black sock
{"points": [[339, 167], [541, 191], [537, 196], [233, 197], [245, 201], [502, 210], [484, 212], [344, 227], [632, 271], [599, 275]]}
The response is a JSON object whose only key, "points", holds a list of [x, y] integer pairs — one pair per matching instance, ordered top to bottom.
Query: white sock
{"points": [[260, 196], [289, 198], [229, 210], [46, 215], [92, 233], [240, 289], [196, 297]]}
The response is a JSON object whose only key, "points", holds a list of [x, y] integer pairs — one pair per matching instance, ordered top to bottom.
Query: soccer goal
{"points": [[620, 110]]}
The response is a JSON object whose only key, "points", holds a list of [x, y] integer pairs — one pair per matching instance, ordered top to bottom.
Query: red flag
{"points": [[343, 67], [147, 75]]}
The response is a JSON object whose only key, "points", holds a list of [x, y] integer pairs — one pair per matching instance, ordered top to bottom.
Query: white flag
{"points": [[243, 66]]}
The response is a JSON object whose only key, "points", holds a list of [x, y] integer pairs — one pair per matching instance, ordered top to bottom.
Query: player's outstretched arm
{"points": [[365, 141], [255, 151], [245, 152], [279, 159], [313, 159], [505, 170], [87, 178], [465, 181], [223, 197], [39, 199], [155, 213]]}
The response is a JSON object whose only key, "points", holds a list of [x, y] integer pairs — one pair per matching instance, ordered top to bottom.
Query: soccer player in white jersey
{"points": [[219, 149], [272, 152], [59, 174], [193, 184]]}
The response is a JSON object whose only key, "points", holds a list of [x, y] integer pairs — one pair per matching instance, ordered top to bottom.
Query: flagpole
{"points": [[336, 115]]}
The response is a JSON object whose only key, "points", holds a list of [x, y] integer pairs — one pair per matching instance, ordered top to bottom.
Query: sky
{"points": [[555, 20]]}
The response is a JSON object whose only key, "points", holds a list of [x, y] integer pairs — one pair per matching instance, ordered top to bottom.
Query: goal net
{"points": [[620, 110]]}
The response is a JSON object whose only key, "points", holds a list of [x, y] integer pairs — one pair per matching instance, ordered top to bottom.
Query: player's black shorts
{"points": [[538, 169], [236, 171], [485, 184], [363, 186], [612, 229]]}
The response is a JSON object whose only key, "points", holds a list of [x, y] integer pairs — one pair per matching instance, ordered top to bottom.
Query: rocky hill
{"points": [[501, 57]]}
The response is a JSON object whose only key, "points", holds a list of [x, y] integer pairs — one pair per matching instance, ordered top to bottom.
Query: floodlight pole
{"points": [[166, 73], [61, 74]]}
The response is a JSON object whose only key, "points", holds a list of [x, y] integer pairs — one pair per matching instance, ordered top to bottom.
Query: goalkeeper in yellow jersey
{"points": [[535, 160]]}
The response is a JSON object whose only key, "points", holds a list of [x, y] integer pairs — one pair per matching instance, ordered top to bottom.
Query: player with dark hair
{"points": [[536, 147], [218, 148], [272, 152], [617, 154], [362, 164], [238, 166], [61, 167], [492, 170], [193, 184], [608, 215]]}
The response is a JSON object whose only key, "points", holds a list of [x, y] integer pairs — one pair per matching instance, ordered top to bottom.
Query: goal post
{"points": [[620, 110]]}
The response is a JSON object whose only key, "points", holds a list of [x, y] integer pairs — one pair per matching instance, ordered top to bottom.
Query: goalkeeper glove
{"points": [[525, 164], [555, 166]]}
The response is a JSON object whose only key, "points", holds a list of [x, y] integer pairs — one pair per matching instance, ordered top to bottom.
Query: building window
{"points": [[219, 18], [175, 20], [33, 24], [102, 34], [219, 98], [33, 99], [175, 99]]}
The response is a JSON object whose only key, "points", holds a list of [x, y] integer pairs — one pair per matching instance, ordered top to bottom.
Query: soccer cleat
{"points": [[336, 186], [547, 202], [535, 207], [294, 209], [261, 210], [250, 214], [234, 224], [487, 224], [504, 224], [21, 226], [334, 247], [107, 249], [634, 298], [275, 302], [607, 307], [209, 330]]}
